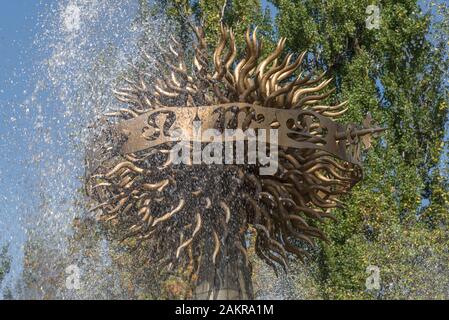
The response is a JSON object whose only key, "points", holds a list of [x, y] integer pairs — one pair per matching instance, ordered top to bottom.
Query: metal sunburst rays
{"points": [[192, 214]]}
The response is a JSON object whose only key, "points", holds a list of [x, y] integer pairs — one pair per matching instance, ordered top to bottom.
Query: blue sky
{"points": [[18, 27], [18, 56]]}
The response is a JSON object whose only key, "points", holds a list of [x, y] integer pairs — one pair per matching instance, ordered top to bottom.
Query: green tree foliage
{"points": [[239, 15], [397, 218], [5, 262], [5, 268]]}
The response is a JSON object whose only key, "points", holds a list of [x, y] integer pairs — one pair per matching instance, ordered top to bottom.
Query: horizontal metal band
{"points": [[301, 129]]}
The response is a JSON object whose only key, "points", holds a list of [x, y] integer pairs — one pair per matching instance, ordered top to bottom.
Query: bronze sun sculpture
{"points": [[197, 216]]}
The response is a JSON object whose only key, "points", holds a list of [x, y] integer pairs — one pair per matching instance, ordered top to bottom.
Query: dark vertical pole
{"points": [[230, 279]]}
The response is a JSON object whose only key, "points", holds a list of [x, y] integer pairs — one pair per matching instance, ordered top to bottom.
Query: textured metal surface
{"points": [[197, 216]]}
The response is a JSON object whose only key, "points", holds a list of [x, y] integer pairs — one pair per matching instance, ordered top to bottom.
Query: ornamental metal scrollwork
{"points": [[192, 215]]}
